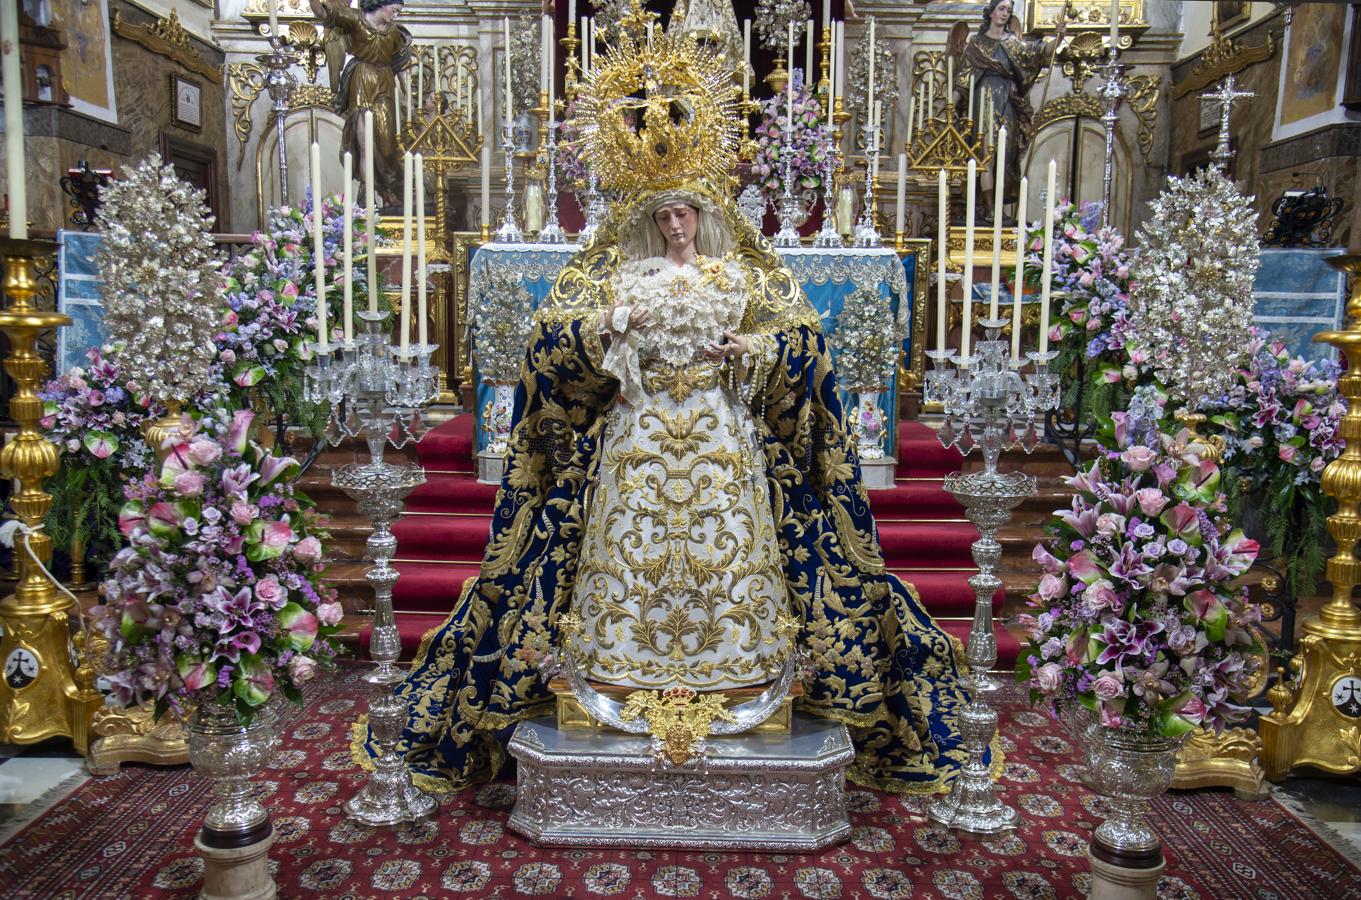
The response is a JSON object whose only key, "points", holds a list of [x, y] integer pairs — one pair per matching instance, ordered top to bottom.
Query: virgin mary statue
{"points": [[680, 505]]}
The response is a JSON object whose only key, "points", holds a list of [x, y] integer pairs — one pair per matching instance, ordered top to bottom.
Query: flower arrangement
{"points": [[772, 23], [810, 143], [571, 168], [1091, 273], [162, 286], [503, 323], [265, 337], [865, 341], [95, 420], [1280, 421], [217, 597], [1137, 618]]}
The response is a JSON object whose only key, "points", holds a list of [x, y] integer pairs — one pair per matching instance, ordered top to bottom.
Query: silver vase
{"points": [[230, 754], [1129, 767]]}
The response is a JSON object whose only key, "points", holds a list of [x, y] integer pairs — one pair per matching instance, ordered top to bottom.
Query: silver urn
{"points": [[229, 755], [1129, 767]]}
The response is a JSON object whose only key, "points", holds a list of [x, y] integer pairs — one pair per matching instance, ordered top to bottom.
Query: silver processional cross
{"points": [[1226, 97]]}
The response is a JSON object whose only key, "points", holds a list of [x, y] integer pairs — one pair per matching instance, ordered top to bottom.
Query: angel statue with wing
{"points": [[378, 48]]}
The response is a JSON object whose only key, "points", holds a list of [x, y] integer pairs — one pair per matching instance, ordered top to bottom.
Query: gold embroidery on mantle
{"points": [[168, 38]]}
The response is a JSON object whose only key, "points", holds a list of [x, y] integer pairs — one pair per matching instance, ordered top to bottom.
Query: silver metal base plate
{"points": [[490, 467], [877, 474], [771, 792]]}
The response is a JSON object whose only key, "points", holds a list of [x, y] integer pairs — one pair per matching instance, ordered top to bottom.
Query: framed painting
{"points": [[1229, 14], [87, 61], [1311, 68], [186, 102]]}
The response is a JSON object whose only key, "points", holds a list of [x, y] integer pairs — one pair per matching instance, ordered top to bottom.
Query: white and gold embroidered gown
{"points": [[680, 579]]}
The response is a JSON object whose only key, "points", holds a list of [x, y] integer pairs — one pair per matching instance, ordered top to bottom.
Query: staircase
{"points": [[440, 539]]}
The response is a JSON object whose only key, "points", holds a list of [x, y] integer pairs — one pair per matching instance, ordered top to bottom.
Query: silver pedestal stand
{"points": [[279, 81], [509, 232], [552, 232], [866, 234], [788, 235], [827, 237], [378, 390], [985, 398]]}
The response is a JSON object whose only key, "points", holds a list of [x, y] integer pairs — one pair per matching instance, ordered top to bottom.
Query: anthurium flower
{"points": [[248, 375], [238, 435], [101, 444], [131, 517], [163, 519], [1084, 567], [1209, 610], [299, 625], [196, 674], [254, 682]]}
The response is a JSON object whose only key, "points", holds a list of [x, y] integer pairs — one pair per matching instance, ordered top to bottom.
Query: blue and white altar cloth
{"points": [[827, 277], [1296, 294]]}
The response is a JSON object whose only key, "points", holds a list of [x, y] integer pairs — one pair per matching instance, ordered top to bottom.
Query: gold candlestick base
{"points": [[42, 693], [1316, 722]]}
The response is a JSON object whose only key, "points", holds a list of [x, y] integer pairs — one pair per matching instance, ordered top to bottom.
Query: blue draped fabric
{"points": [[880, 664]]}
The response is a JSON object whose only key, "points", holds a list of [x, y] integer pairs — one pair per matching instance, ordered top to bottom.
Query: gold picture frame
{"points": [[1227, 14]]}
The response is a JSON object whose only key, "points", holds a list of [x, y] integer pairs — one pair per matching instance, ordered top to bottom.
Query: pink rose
{"points": [[228, 356], [202, 453], [1139, 459], [189, 484], [1151, 501], [244, 513], [1110, 525], [277, 535], [307, 550], [1052, 587], [270, 592], [1101, 595], [330, 613], [301, 668], [1048, 677], [1108, 687]]}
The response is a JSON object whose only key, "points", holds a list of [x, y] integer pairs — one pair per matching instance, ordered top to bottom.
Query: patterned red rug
{"points": [[131, 835]]}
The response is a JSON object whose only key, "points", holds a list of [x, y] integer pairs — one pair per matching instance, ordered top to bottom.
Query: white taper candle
{"points": [[1047, 271]]}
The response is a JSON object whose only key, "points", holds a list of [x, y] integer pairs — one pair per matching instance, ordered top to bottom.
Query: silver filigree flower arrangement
{"points": [[772, 23], [526, 45], [885, 82], [162, 289], [1191, 305], [503, 323], [866, 342]]}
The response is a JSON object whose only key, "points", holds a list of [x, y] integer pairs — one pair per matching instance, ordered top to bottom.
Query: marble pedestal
{"points": [[490, 467], [878, 473], [753, 791], [237, 873], [1112, 882]]}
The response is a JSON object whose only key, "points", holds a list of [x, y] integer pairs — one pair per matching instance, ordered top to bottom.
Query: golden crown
{"points": [[656, 113]]}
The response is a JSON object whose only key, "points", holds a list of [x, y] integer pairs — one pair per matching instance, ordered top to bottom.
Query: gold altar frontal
{"points": [[982, 246], [571, 716]]}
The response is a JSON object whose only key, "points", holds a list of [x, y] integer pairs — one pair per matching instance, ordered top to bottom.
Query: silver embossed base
{"points": [[490, 467], [877, 474], [750, 792]]}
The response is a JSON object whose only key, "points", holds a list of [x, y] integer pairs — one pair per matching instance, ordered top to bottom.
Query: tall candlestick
{"points": [[571, 10], [273, 22], [1115, 22], [585, 45], [545, 53], [790, 54], [808, 56], [746, 58], [840, 59], [949, 80], [831, 81], [930, 93], [869, 103], [410, 106], [418, 113], [509, 113], [970, 114], [480, 115], [911, 117], [14, 120], [486, 185], [902, 193], [998, 194], [407, 202], [371, 211], [347, 238], [942, 239], [318, 245], [968, 259], [1020, 270], [1046, 272], [421, 312]]}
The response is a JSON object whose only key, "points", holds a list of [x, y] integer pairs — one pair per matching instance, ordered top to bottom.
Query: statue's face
{"points": [[1001, 14], [386, 15], [678, 223]]}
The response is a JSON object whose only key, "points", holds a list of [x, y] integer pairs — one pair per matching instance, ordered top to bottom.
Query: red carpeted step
{"points": [[448, 446], [920, 453], [453, 494], [915, 500], [456, 539], [927, 545], [429, 587], [946, 593], [1008, 648]]}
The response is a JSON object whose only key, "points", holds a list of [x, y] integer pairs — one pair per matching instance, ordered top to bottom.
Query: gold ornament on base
{"points": [[155, 433], [44, 691], [1318, 721]]}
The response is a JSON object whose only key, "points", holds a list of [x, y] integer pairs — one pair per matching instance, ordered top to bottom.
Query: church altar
{"points": [[827, 277]]}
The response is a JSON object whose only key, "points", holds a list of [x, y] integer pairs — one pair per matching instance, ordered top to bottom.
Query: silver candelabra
{"points": [[279, 81], [595, 207], [509, 232], [552, 232], [788, 235], [866, 235], [827, 237], [378, 390], [985, 398]]}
